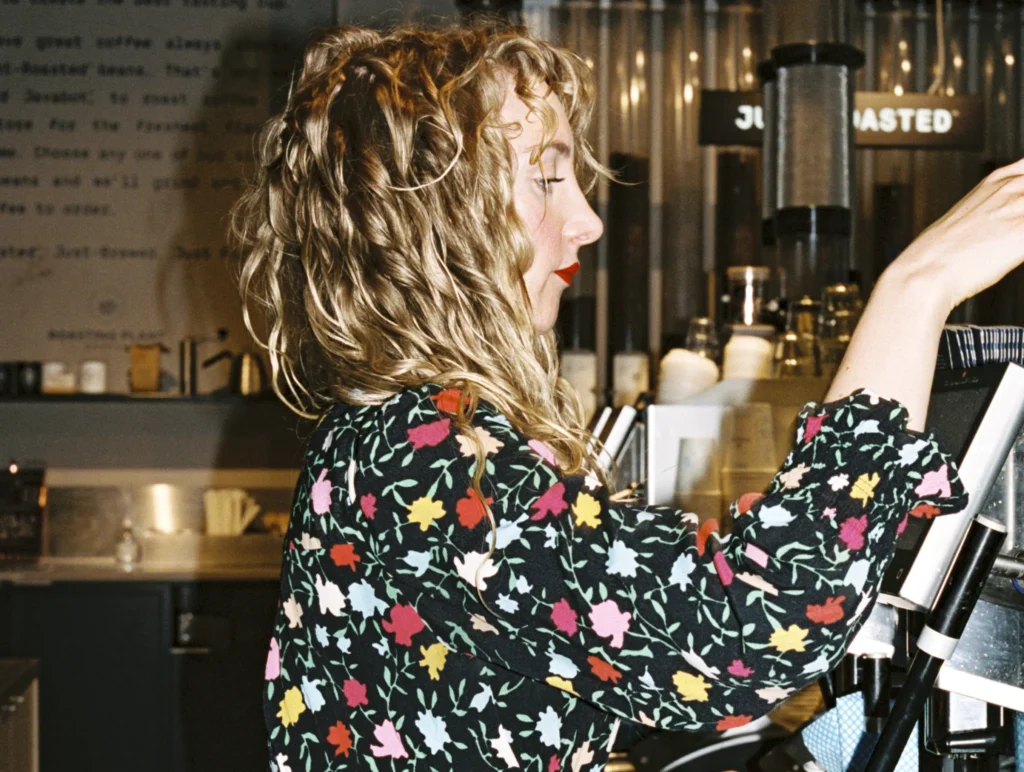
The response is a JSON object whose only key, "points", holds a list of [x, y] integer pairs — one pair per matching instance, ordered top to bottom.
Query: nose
{"points": [[583, 226]]}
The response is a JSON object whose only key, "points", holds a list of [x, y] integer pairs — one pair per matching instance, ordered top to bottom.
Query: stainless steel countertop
{"points": [[104, 569]]}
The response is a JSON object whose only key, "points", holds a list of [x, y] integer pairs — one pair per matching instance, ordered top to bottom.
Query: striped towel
{"points": [[969, 345]]}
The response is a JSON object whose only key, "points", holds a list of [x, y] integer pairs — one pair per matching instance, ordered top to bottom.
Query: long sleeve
{"points": [[636, 610]]}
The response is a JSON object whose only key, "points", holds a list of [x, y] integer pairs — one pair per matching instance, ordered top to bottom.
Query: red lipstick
{"points": [[566, 274]]}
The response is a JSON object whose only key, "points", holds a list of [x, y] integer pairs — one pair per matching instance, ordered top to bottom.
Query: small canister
{"points": [[93, 377]]}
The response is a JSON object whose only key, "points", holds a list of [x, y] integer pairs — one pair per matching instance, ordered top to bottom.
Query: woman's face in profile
{"points": [[550, 202]]}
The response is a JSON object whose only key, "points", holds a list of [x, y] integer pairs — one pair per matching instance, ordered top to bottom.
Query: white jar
{"points": [[93, 377]]}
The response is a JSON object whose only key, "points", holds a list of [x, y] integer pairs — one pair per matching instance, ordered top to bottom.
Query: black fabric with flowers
{"points": [[597, 618]]}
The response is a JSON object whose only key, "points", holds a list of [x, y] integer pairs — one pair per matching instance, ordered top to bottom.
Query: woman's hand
{"points": [[979, 241], [976, 243]]}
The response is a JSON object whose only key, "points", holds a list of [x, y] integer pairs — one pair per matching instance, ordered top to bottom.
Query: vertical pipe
{"points": [[604, 64], [973, 67], [656, 92], [710, 158], [920, 161], [866, 173]]}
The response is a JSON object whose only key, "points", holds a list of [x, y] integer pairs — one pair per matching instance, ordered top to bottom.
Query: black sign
{"points": [[881, 119]]}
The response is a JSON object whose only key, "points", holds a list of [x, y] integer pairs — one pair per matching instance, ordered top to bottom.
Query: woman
{"points": [[459, 590]]}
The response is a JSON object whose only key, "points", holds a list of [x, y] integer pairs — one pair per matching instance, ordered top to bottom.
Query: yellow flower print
{"points": [[864, 488], [587, 510], [424, 511], [791, 639], [433, 659], [561, 683], [690, 687], [292, 707]]}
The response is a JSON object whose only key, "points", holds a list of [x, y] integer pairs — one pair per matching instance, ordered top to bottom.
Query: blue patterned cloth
{"points": [[968, 345], [1018, 741], [840, 742]]}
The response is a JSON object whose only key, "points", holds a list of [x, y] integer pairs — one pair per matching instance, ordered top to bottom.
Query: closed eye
{"points": [[547, 182]]}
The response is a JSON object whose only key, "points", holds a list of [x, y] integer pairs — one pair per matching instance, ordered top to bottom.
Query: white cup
{"points": [[747, 356], [684, 373], [93, 378]]}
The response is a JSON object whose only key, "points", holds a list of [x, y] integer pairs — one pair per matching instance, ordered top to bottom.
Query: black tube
{"points": [[960, 591], [875, 678]]}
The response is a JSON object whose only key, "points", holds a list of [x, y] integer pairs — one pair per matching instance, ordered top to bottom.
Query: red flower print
{"points": [[448, 400], [813, 426], [429, 435], [746, 501], [552, 502], [368, 506], [471, 510], [927, 511], [707, 528], [851, 532], [344, 555], [722, 566], [827, 613], [564, 617], [405, 623], [738, 669], [603, 670], [355, 693], [731, 722], [339, 735], [554, 765]]}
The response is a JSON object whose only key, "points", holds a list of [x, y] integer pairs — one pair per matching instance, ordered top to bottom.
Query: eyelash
{"points": [[547, 182]]}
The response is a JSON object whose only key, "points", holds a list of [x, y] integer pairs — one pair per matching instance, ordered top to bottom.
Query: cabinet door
{"points": [[219, 675], [105, 699]]}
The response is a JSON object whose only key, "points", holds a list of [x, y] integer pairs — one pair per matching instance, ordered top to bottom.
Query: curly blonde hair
{"points": [[380, 241]]}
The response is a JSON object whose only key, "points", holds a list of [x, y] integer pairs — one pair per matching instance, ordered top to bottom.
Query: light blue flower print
{"points": [[774, 516], [508, 531], [418, 560], [621, 560], [681, 571], [523, 587], [363, 599], [505, 603], [322, 637], [343, 642], [562, 666], [311, 694], [483, 699], [550, 727], [434, 731]]}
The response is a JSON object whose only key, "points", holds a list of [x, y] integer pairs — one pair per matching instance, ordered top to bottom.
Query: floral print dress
{"points": [[400, 645]]}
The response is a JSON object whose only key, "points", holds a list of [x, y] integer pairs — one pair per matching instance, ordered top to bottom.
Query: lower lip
{"points": [[566, 274]]}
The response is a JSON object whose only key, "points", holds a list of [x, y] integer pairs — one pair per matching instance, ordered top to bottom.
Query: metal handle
{"points": [[191, 650]]}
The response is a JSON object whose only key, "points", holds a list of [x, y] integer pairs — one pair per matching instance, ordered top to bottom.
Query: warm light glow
{"points": [[903, 45], [747, 52], [693, 56], [640, 60], [958, 61], [1010, 61], [589, 62], [905, 65], [749, 78], [898, 91], [950, 91], [634, 93], [688, 94], [1002, 98], [13, 468], [163, 508]]}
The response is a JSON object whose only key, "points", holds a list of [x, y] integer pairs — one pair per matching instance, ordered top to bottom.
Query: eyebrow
{"points": [[557, 145]]}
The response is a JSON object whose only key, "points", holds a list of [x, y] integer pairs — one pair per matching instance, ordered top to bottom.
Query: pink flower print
{"points": [[813, 426], [429, 435], [543, 451], [935, 482], [321, 494], [552, 502], [368, 506], [829, 513], [903, 525], [851, 532], [756, 554], [723, 568], [564, 617], [609, 622], [404, 624], [273, 669], [738, 669], [355, 693], [390, 742], [554, 765]]}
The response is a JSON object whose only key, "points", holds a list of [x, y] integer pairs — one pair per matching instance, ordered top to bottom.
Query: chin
{"points": [[545, 324]]}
